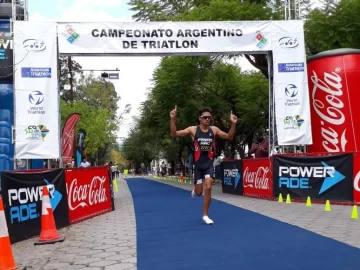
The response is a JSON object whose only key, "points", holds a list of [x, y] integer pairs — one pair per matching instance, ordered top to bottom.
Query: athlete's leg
{"points": [[209, 179], [198, 183], [207, 196]]}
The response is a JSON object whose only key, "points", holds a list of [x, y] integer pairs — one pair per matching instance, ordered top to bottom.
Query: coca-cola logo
{"points": [[330, 90], [258, 179], [357, 182], [86, 195]]}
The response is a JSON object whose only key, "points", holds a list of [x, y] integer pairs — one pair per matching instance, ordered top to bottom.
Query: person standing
{"points": [[203, 136], [261, 148]]}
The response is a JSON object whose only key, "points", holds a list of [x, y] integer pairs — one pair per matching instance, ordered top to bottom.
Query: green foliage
{"points": [[334, 26], [191, 83], [95, 121]]}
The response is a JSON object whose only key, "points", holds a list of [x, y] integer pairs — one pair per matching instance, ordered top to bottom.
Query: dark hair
{"points": [[205, 109]]}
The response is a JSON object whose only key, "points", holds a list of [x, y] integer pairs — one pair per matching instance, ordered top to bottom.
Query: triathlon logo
{"points": [[70, 34], [260, 40], [293, 122]]}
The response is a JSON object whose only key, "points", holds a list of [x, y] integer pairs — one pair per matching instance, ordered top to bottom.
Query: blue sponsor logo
{"points": [[2, 54], [291, 67], [27, 72], [229, 175], [299, 177], [28, 199]]}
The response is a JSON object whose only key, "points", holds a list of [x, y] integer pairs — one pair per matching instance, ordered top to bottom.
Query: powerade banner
{"points": [[320, 177], [231, 180], [22, 195]]}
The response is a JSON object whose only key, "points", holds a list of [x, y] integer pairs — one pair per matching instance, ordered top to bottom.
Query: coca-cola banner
{"points": [[333, 85], [320, 177], [356, 177], [257, 178], [231, 179], [88, 192], [22, 195]]}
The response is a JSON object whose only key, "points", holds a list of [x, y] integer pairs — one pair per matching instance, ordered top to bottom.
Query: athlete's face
{"points": [[205, 118]]}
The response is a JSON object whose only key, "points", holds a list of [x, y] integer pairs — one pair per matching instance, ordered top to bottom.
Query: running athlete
{"points": [[203, 137]]}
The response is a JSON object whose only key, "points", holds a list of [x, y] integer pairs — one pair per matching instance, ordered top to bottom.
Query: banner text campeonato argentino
{"points": [[160, 33]]}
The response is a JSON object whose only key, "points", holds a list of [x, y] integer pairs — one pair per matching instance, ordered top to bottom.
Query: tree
{"points": [[333, 26], [64, 75], [190, 83]]}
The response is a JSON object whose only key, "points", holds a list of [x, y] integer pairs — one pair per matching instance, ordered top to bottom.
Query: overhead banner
{"points": [[284, 38], [36, 91], [320, 177], [22, 195]]}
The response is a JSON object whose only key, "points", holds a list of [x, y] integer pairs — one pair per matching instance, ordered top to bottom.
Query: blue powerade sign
{"points": [[231, 177], [322, 177], [22, 197], [27, 200]]}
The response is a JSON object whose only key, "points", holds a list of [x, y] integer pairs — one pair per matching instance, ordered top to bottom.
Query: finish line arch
{"points": [[37, 46]]}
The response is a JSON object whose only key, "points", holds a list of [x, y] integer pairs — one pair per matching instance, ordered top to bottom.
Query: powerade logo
{"points": [[229, 175], [299, 177], [28, 198]]}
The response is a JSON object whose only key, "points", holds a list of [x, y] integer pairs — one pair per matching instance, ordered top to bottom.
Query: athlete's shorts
{"points": [[201, 173]]}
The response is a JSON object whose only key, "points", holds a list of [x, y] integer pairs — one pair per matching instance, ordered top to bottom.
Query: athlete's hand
{"points": [[173, 112], [233, 118]]}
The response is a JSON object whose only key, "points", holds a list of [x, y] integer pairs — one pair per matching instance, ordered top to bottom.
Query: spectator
{"points": [[261, 148], [84, 163]]}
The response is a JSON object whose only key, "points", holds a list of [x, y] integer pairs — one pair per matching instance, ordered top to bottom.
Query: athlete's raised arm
{"points": [[174, 132], [227, 136]]}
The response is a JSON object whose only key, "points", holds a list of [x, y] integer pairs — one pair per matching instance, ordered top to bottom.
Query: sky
{"points": [[131, 86]]}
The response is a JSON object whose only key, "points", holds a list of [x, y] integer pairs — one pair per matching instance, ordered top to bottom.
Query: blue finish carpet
{"points": [[171, 236]]}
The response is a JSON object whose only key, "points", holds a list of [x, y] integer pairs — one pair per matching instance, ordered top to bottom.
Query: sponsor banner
{"points": [[163, 37], [6, 57], [333, 85], [36, 90], [293, 122], [68, 137], [320, 177], [257, 178], [231, 180], [356, 185], [88, 192], [22, 196]]}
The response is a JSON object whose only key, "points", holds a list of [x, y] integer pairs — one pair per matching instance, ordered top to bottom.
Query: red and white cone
{"points": [[49, 234], [6, 256]]}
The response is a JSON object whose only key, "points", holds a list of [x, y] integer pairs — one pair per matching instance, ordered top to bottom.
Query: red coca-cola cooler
{"points": [[333, 78]]}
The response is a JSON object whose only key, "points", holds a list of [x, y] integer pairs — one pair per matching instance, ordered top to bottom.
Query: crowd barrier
{"points": [[321, 177], [76, 194]]}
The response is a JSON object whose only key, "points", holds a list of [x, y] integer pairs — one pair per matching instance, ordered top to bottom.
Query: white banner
{"points": [[163, 38], [284, 38], [36, 91], [292, 106]]}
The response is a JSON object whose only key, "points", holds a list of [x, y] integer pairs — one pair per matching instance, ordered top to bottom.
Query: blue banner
{"points": [[27, 72]]}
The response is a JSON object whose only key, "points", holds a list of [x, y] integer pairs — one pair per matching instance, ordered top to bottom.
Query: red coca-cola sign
{"points": [[333, 79], [257, 178], [357, 178], [88, 191]]}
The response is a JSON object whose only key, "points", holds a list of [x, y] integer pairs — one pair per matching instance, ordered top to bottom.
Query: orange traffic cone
{"points": [[49, 233], [6, 257]]}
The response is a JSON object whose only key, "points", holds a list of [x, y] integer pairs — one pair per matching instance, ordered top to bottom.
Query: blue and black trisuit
{"points": [[204, 143]]}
